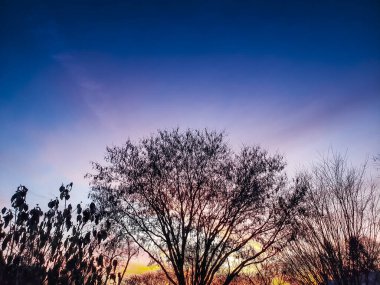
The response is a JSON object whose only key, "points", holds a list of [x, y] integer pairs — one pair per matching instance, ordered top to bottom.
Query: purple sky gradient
{"points": [[297, 80]]}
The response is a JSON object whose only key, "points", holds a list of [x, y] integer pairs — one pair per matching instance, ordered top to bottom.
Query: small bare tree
{"points": [[195, 207], [340, 240], [117, 252]]}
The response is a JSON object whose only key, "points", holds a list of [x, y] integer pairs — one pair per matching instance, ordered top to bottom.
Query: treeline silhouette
{"points": [[204, 215]]}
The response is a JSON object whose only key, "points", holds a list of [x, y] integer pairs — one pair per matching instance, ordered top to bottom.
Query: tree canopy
{"points": [[195, 207]]}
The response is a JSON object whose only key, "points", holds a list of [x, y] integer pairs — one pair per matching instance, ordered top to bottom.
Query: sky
{"points": [[300, 78]]}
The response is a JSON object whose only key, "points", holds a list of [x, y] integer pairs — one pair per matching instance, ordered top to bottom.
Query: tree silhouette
{"points": [[196, 208], [339, 240]]}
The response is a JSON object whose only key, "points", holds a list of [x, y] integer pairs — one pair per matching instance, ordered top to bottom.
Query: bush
{"points": [[58, 246]]}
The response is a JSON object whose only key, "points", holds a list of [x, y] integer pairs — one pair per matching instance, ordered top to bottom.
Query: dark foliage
{"points": [[58, 246]]}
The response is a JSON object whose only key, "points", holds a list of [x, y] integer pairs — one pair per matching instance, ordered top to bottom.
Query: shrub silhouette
{"points": [[58, 246]]}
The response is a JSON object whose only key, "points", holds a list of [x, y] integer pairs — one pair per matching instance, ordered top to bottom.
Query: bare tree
{"points": [[195, 207], [339, 241], [117, 252]]}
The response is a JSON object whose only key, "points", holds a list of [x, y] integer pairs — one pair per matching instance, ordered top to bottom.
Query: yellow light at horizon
{"points": [[136, 268], [279, 281]]}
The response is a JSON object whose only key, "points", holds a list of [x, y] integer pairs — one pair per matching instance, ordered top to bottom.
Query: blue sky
{"points": [[297, 77]]}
